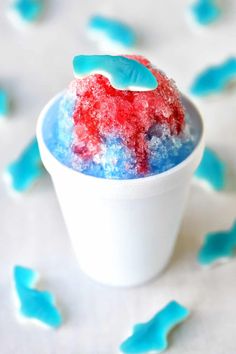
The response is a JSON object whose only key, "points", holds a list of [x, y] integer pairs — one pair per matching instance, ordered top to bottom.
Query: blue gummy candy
{"points": [[28, 10], [205, 11], [114, 30], [123, 73], [215, 79], [4, 104], [26, 169], [212, 170], [217, 246], [35, 304], [153, 335]]}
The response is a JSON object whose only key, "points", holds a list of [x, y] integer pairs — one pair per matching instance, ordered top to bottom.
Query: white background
{"points": [[36, 64]]}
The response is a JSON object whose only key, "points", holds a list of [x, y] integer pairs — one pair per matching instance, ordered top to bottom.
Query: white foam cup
{"points": [[123, 231]]}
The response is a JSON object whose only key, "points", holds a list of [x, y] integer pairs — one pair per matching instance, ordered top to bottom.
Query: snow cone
{"points": [[121, 145]]}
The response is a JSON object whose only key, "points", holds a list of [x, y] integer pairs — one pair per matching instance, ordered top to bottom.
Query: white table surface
{"points": [[36, 64]]}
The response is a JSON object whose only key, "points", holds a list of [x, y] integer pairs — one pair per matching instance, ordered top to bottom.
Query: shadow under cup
{"points": [[123, 231]]}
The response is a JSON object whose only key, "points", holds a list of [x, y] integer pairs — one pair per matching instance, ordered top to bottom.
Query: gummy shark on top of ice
{"points": [[123, 73], [120, 134]]}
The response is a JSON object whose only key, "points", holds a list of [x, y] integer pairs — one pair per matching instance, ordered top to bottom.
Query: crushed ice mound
{"points": [[122, 134]]}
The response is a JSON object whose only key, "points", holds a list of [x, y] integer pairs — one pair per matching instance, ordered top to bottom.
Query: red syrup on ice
{"points": [[102, 112]]}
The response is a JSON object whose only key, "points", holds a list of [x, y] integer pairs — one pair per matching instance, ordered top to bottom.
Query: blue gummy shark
{"points": [[28, 10], [205, 11], [113, 30], [123, 73], [215, 79], [4, 104], [27, 169], [212, 170], [218, 246], [35, 304], [152, 336]]}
